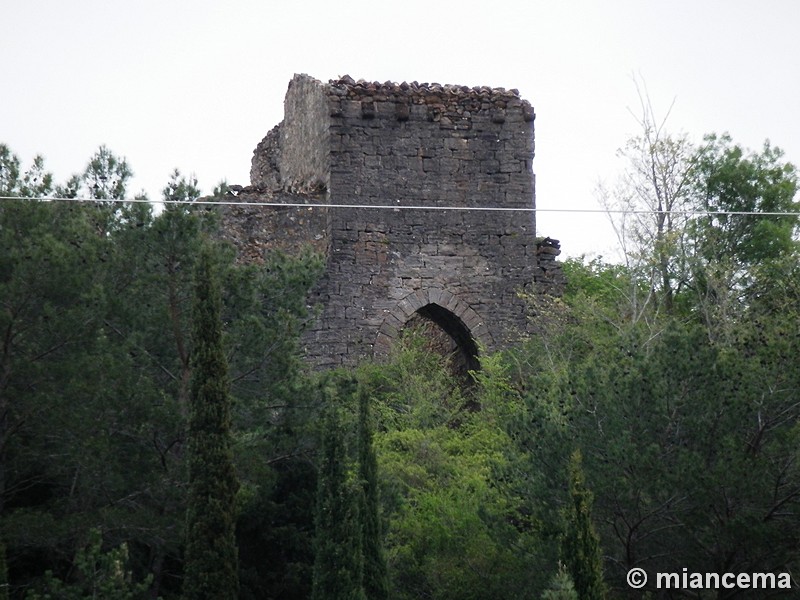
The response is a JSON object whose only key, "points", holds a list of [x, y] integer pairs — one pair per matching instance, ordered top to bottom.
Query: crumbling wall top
{"points": [[429, 93], [457, 102], [295, 155]]}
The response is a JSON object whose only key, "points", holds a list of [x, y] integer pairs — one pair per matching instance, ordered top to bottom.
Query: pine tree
{"points": [[106, 176], [580, 547], [211, 556], [338, 563], [376, 583]]}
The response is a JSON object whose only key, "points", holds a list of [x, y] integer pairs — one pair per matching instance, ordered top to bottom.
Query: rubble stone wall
{"points": [[305, 137], [390, 154]]}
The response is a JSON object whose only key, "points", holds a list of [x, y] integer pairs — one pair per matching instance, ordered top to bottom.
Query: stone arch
{"points": [[454, 316]]}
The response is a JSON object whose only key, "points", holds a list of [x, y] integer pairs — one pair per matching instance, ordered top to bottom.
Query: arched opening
{"points": [[449, 324], [446, 334]]}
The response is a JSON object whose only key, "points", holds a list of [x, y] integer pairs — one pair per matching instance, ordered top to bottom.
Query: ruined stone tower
{"points": [[369, 163]]}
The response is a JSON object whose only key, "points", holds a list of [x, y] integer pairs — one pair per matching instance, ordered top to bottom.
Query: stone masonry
{"points": [[370, 163]]}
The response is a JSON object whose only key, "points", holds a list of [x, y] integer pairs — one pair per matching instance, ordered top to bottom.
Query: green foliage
{"points": [[9, 172], [106, 176], [728, 178], [36, 181], [180, 188], [220, 189], [649, 201], [693, 221], [729, 249], [595, 279], [265, 311], [55, 349], [674, 375], [95, 387], [413, 388], [685, 417], [688, 437], [275, 530], [454, 530], [580, 546], [338, 564], [211, 569], [98, 574], [376, 583], [4, 584], [561, 587]]}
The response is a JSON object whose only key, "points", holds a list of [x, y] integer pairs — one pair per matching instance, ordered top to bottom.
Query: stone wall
{"points": [[305, 137], [430, 145], [387, 155], [255, 230]]}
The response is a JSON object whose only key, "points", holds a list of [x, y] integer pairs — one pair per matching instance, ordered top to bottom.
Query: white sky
{"points": [[196, 85]]}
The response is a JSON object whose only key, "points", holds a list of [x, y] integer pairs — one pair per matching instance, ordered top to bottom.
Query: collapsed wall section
{"points": [[305, 136], [295, 155], [302, 222]]}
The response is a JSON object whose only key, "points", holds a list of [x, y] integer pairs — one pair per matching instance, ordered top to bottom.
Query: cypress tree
{"points": [[581, 545], [338, 562], [210, 570], [3, 572], [376, 581]]}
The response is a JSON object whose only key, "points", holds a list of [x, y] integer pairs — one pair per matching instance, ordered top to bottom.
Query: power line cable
{"points": [[396, 207]]}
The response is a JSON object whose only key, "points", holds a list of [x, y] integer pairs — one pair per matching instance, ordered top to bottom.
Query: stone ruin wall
{"points": [[401, 145]]}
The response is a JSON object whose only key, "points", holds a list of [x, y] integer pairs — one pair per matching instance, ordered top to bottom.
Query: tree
{"points": [[9, 172], [106, 176], [728, 178], [36, 181], [181, 188], [651, 195], [687, 219], [731, 241], [54, 348], [95, 385], [275, 420], [689, 441], [456, 525], [580, 548], [211, 562], [338, 564], [3, 573], [99, 575], [376, 583], [561, 588]]}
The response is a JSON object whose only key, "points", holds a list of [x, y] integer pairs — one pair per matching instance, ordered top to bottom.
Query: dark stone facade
{"points": [[378, 150]]}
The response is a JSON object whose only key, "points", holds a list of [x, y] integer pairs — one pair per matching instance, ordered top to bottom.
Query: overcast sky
{"points": [[196, 85]]}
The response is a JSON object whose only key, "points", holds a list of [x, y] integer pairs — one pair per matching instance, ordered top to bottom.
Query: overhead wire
{"points": [[399, 206]]}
